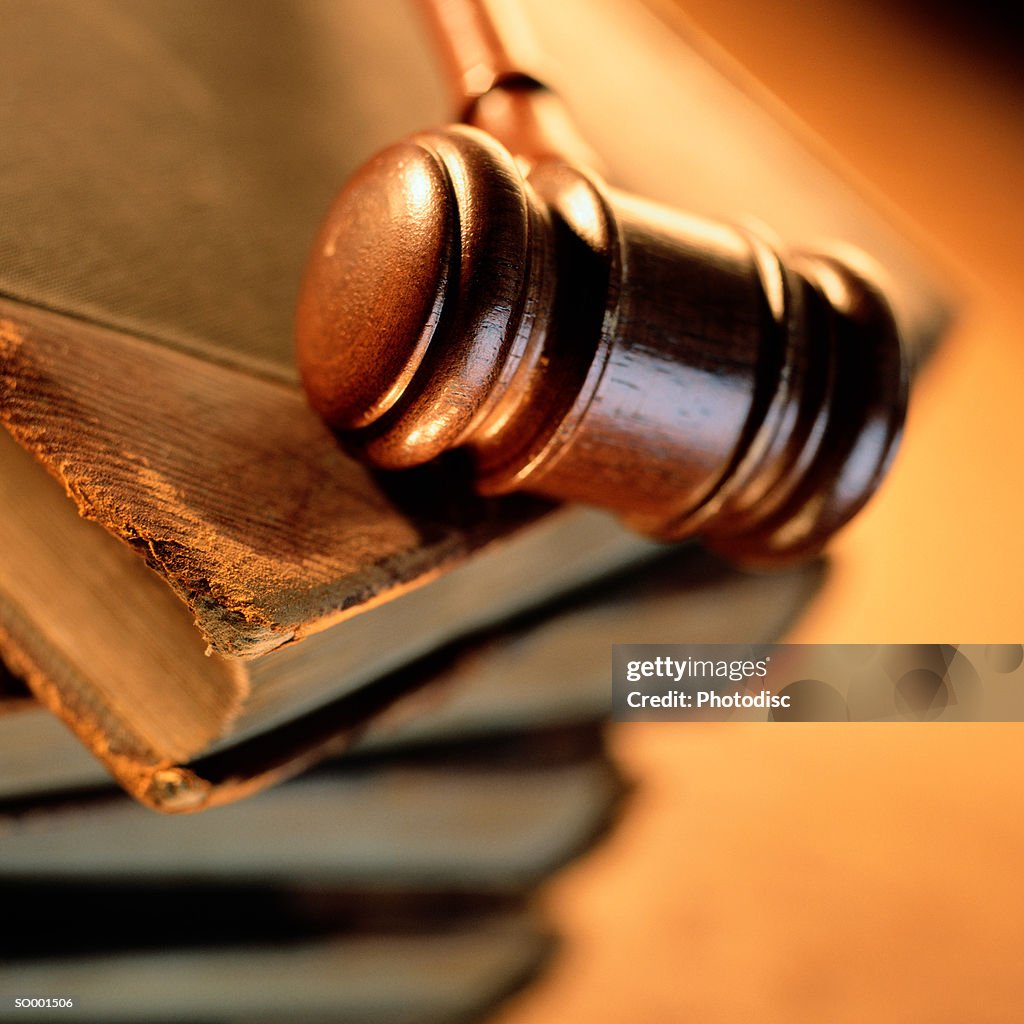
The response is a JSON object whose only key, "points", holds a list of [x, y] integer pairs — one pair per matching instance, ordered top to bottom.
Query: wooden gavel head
{"points": [[587, 345]]}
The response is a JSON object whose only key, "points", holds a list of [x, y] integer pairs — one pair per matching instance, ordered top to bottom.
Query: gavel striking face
{"points": [[586, 345]]}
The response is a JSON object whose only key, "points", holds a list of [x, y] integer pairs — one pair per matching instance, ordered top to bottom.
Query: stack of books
{"points": [[395, 883]]}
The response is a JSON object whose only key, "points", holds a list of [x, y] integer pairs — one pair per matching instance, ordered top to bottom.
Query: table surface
{"points": [[851, 872]]}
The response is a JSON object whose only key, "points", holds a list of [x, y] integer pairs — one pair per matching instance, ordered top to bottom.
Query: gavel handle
{"points": [[485, 48], [475, 51]]}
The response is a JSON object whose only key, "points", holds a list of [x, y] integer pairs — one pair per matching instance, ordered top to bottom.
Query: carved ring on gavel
{"points": [[590, 346]]}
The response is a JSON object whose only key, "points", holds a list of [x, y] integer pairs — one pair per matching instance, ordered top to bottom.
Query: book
{"points": [[241, 576], [105, 644], [547, 668], [461, 818]]}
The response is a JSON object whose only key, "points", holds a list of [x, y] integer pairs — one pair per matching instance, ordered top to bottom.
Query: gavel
{"points": [[587, 345]]}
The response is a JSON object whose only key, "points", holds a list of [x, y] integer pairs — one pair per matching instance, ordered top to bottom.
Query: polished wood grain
{"points": [[583, 344]]}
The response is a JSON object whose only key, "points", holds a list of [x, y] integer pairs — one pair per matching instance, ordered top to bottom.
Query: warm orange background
{"points": [[852, 873]]}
